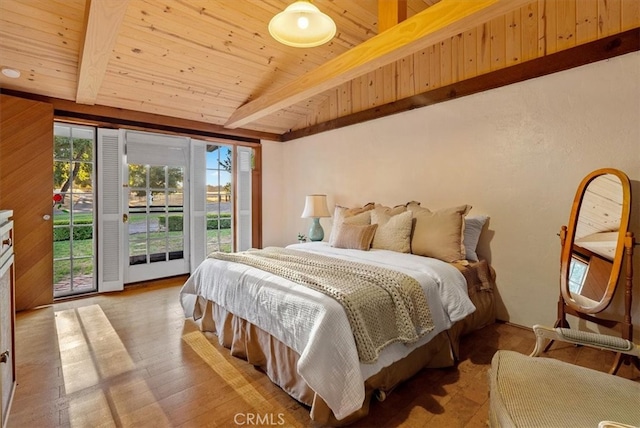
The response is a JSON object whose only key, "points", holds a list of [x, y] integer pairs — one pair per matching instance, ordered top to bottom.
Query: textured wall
{"points": [[516, 153]]}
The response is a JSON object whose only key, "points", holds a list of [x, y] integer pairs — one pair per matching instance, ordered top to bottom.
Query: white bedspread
{"points": [[315, 325]]}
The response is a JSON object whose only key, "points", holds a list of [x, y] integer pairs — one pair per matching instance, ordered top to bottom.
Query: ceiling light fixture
{"points": [[302, 25], [11, 72]]}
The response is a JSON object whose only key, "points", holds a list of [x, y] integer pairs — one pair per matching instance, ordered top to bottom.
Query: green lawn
{"points": [[83, 250]]}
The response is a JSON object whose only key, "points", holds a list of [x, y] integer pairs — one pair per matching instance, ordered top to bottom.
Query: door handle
{"points": [[125, 218], [4, 357]]}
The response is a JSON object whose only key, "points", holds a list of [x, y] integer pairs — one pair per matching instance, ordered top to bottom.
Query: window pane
{"points": [[61, 148], [83, 150], [61, 173], [137, 176], [82, 177], [157, 177], [138, 199], [157, 199], [176, 200], [82, 207], [137, 224], [82, 241], [61, 242], [137, 245], [577, 273], [83, 274], [61, 275]]}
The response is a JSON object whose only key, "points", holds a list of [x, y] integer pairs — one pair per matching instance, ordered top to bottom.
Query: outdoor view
{"points": [[219, 206], [156, 213], [73, 214]]}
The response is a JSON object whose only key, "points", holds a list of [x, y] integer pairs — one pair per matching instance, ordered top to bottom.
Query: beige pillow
{"points": [[389, 210], [342, 215], [394, 231], [439, 234], [355, 236]]}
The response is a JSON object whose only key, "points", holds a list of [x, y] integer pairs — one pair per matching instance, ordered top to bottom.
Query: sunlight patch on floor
{"points": [[93, 358], [254, 399], [136, 404]]}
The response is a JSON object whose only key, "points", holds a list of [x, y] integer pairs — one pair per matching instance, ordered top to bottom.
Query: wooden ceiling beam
{"points": [[390, 13], [439, 22], [102, 23]]}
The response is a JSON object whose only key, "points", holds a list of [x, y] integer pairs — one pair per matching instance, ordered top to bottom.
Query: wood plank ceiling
{"points": [[213, 61]]}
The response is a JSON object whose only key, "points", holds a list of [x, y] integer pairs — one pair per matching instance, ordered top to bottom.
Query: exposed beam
{"points": [[390, 13], [102, 21], [439, 22], [598, 50]]}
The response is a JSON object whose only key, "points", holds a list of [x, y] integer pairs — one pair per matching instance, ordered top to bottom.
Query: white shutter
{"points": [[198, 179], [243, 197], [110, 231]]}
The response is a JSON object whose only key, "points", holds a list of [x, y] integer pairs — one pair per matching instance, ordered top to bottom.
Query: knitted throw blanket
{"points": [[383, 306]]}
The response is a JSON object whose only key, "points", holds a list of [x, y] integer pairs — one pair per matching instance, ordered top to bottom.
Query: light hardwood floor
{"points": [[131, 359]]}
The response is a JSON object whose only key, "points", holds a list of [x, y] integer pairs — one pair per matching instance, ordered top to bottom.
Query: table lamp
{"points": [[315, 207]]}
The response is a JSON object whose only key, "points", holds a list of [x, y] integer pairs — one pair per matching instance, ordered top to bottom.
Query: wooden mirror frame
{"points": [[568, 241]]}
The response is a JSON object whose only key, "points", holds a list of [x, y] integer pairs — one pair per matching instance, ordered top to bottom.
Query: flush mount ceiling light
{"points": [[302, 25], [11, 72]]}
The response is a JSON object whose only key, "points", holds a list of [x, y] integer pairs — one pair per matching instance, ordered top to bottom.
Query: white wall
{"points": [[516, 153]]}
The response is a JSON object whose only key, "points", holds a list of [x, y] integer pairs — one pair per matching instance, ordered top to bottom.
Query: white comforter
{"points": [[315, 325]]}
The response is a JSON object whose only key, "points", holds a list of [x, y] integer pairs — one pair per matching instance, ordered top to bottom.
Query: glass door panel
{"points": [[73, 216], [156, 221]]}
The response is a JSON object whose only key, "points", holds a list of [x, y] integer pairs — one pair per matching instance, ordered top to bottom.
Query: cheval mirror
{"points": [[594, 244]]}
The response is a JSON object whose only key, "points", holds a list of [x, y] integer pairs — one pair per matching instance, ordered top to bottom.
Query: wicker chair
{"points": [[543, 392]]}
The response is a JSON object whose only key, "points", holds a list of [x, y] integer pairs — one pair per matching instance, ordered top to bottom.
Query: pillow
{"points": [[391, 211], [342, 215], [472, 228], [394, 231], [438, 234], [355, 236]]}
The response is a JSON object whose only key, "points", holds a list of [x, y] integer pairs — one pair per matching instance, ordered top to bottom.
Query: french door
{"points": [[156, 206], [73, 210], [160, 212]]}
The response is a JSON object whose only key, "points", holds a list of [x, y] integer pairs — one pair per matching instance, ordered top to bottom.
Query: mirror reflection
{"points": [[595, 241]]}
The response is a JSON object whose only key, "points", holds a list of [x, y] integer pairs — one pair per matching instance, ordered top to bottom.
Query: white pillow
{"points": [[472, 228]]}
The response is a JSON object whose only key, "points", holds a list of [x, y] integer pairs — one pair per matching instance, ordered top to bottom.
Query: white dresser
{"points": [[7, 316]]}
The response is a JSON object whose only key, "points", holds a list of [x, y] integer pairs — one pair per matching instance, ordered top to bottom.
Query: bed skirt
{"points": [[279, 362]]}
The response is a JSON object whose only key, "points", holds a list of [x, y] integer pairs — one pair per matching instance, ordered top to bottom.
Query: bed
{"points": [[303, 339]]}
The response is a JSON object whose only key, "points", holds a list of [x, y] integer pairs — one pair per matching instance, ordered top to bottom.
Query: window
{"points": [[219, 206], [577, 274]]}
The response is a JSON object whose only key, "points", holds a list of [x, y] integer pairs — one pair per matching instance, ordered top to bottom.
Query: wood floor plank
{"points": [[130, 359]]}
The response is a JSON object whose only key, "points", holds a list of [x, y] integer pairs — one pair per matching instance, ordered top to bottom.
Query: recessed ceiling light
{"points": [[11, 72]]}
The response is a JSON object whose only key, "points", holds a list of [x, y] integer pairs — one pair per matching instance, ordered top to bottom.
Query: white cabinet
{"points": [[7, 316]]}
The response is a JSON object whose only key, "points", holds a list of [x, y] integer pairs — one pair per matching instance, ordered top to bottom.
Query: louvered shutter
{"points": [[198, 178], [243, 198], [110, 231]]}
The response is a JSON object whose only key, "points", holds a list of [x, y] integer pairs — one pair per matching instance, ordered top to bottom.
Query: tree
{"points": [[73, 164]]}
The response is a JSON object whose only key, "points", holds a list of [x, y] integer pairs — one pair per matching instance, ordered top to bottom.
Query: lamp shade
{"points": [[302, 25], [315, 206]]}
